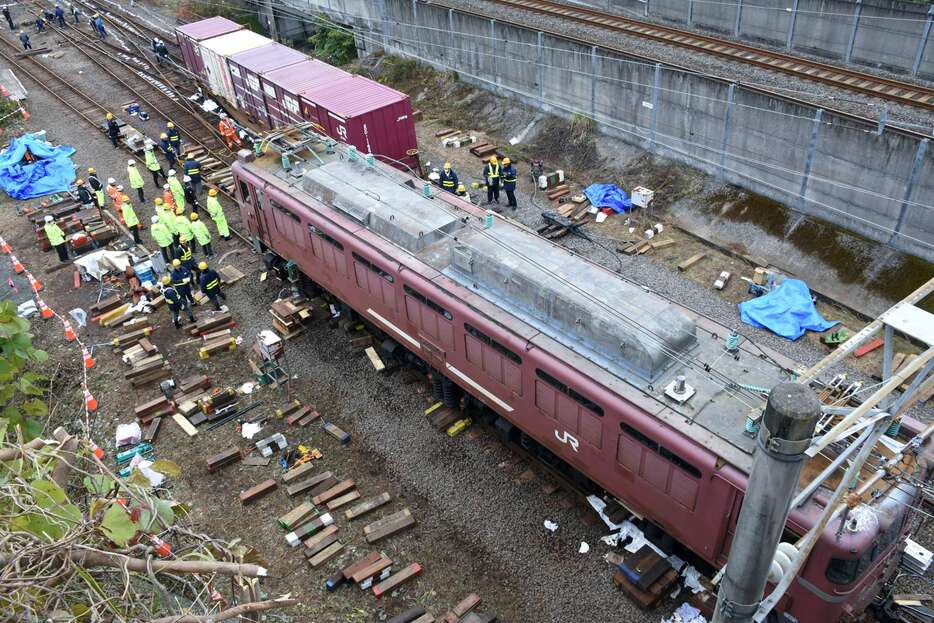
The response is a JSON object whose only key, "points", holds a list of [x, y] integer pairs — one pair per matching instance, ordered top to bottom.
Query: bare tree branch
{"points": [[229, 613]]}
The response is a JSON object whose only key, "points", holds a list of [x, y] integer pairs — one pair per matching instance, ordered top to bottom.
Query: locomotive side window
{"points": [[245, 195], [288, 223], [332, 253], [373, 267], [374, 280], [424, 300], [430, 317], [496, 360], [569, 391], [573, 410], [657, 465]]}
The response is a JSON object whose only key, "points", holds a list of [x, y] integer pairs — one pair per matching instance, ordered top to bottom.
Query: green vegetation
{"points": [[234, 10], [333, 44], [19, 393]]}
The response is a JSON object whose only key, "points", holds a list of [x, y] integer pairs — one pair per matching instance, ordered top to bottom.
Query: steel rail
{"points": [[886, 88]]}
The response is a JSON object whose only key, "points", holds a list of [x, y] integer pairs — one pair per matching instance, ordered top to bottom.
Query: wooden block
{"points": [[444, 132], [661, 244], [694, 259], [230, 274], [104, 305], [113, 313], [216, 335], [361, 341], [147, 346], [868, 347], [375, 359], [195, 381], [151, 406], [298, 414], [309, 418], [185, 425], [152, 430], [338, 434], [231, 455], [255, 461], [297, 472], [308, 483], [322, 487], [339, 489], [256, 492], [347, 498], [367, 506], [296, 516], [389, 526], [306, 530], [314, 542], [320, 544], [324, 555], [360, 564], [371, 569], [397, 579], [336, 580], [646, 598], [466, 605], [409, 616], [425, 618]]}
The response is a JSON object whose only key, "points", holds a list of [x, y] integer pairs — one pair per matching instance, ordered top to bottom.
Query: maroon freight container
{"points": [[189, 35], [246, 68], [282, 88], [374, 118]]}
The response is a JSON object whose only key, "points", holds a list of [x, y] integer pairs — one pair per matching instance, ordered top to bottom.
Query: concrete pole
{"points": [[271, 19], [787, 427]]}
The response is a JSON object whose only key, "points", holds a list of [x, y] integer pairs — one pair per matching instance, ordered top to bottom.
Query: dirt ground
{"points": [[479, 509]]}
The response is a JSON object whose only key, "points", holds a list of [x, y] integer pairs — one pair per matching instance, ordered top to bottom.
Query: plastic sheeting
{"points": [[51, 172], [608, 196], [787, 311]]}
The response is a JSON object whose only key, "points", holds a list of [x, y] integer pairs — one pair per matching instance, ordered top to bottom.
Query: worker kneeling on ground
{"points": [[462, 193], [201, 234], [56, 238], [163, 238], [181, 280], [211, 284], [175, 301]]}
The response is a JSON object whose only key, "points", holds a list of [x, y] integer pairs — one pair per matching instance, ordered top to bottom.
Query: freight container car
{"points": [[190, 35], [216, 51], [246, 68], [282, 88], [374, 118]]}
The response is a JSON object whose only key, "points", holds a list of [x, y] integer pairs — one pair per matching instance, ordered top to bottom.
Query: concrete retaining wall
{"points": [[876, 33], [823, 165]]}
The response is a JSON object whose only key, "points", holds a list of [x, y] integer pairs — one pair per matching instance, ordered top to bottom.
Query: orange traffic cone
{"points": [[3, 91], [25, 113], [4, 246], [17, 265], [36, 286], [44, 309], [69, 332], [88, 360], [89, 400]]}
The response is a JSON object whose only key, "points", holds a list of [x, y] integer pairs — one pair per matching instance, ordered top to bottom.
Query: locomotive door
{"points": [[252, 197]]}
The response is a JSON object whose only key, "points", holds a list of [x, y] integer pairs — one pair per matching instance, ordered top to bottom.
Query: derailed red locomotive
{"points": [[636, 396]]}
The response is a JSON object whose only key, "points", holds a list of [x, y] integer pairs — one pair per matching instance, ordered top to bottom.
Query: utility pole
{"points": [[271, 20], [785, 433]]}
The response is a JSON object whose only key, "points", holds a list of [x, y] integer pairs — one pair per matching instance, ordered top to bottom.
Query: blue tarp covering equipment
{"points": [[51, 171], [608, 196], [787, 311]]}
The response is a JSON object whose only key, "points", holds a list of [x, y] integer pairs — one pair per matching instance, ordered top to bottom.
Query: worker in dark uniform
{"points": [[75, 13], [60, 15], [8, 17], [40, 25], [99, 26], [24, 39], [113, 130], [174, 137], [166, 145], [192, 169], [492, 174], [448, 179], [509, 182], [96, 186], [85, 196], [191, 196], [56, 238], [181, 278], [211, 284], [176, 302]]}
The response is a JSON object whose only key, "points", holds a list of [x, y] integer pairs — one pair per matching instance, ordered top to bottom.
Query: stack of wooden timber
{"points": [[485, 150], [72, 219], [645, 245], [289, 317], [212, 323], [133, 333], [216, 342], [138, 351], [149, 369], [188, 392], [155, 408], [298, 414], [441, 417], [646, 576]]}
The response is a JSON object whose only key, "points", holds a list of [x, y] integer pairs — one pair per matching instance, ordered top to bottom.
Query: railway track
{"points": [[849, 79]]}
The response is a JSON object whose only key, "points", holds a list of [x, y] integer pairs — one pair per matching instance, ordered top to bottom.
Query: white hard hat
{"points": [[223, 115], [130, 161], [171, 171], [186, 179], [111, 180], [165, 186], [119, 187], [49, 218], [154, 219]]}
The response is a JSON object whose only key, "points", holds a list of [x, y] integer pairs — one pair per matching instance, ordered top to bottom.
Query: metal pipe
{"points": [[830, 469]]}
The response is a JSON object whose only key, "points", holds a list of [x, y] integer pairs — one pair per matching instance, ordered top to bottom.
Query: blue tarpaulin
{"points": [[52, 170], [608, 196], [787, 311]]}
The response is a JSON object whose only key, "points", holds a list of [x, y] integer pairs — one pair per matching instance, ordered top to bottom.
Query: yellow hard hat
{"points": [[110, 115], [170, 125], [163, 135], [189, 156], [493, 159], [506, 160], [447, 165], [92, 170], [79, 182], [461, 188], [213, 192], [124, 198], [157, 201], [179, 211], [194, 216], [176, 262], [202, 265], [167, 280]]}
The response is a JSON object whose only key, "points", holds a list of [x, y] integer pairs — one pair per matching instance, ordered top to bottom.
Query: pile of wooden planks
{"points": [[485, 150], [576, 213], [645, 245], [289, 317], [212, 323], [216, 342], [149, 369], [152, 409], [298, 414], [441, 417]]}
